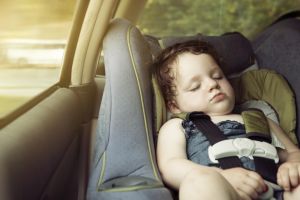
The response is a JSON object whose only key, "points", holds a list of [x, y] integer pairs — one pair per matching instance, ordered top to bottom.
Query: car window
{"points": [[186, 17], [33, 35]]}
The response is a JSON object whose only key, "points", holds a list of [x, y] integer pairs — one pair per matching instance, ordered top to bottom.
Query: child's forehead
{"points": [[189, 60]]}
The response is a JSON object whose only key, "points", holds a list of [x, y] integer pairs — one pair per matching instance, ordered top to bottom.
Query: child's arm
{"points": [[171, 154], [174, 165], [289, 171]]}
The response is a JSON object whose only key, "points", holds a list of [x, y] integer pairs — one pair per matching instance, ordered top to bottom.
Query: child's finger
{"points": [[294, 176], [285, 180], [279, 181], [257, 182], [251, 187], [243, 195]]}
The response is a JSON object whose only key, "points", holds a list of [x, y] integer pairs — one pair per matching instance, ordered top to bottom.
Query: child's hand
{"points": [[288, 175], [248, 184]]}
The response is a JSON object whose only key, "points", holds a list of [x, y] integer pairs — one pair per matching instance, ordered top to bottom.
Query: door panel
{"points": [[39, 150]]}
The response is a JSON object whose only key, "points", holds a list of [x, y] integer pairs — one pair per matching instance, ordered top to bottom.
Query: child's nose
{"points": [[212, 84]]}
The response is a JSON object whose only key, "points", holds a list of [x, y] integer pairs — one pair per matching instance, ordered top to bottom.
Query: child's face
{"points": [[201, 86]]}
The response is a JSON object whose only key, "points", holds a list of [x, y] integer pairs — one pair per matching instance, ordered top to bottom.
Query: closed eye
{"points": [[218, 77], [195, 88]]}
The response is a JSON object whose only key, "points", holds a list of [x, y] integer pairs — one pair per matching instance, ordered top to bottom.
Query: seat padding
{"points": [[277, 48], [124, 142]]}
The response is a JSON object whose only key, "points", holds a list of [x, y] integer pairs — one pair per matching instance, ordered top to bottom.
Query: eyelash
{"points": [[218, 77], [195, 88]]}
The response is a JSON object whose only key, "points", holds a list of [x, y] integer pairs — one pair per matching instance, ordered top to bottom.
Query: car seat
{"points": [[277, 48], [124, 156]]}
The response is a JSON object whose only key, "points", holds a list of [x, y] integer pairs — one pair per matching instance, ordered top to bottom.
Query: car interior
{"points": [[92, 134]]}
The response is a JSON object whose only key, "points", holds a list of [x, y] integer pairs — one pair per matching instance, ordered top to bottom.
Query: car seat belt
{"points": [[257, 129]]}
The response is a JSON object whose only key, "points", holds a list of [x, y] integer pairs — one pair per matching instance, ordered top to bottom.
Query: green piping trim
{"points": [[142, 100], [100, 180], [132, 188]]}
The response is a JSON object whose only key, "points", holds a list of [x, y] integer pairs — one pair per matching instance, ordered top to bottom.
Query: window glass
{"points": [[186, 17], [33, 35]]}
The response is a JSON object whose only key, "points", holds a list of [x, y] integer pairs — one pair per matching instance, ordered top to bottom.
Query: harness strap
{"points": [[205, 125], [256, 125], [257, 128]]}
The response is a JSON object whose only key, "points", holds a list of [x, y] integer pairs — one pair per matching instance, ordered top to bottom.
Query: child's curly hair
{"points": [[164, 63]]}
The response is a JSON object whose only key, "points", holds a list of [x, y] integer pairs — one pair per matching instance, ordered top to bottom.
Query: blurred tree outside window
{"points": [[188, 17], [33, 35]]}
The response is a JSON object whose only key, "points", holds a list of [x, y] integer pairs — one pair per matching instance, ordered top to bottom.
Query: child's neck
{"points": [[233, 117]]}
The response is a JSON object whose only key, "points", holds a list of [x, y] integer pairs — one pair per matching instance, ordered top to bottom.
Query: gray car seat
{"points": [[278, 48], [124, 157]]}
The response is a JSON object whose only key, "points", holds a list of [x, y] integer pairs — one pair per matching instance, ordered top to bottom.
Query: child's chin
{"points": [[224, 111]]}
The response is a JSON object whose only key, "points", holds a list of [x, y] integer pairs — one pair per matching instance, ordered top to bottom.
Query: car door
{"points": [[47, 108]]}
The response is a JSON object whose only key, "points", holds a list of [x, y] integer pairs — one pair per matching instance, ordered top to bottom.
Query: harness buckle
{"points": [[242, 147]]}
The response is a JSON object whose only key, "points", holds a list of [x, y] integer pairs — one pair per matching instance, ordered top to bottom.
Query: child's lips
{"points": [[218, 97]]}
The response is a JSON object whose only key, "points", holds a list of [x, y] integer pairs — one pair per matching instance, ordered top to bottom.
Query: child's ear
{"points": [[172, 106]]}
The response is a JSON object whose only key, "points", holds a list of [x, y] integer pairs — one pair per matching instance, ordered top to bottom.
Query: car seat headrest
{"points": [[234, 49]]}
